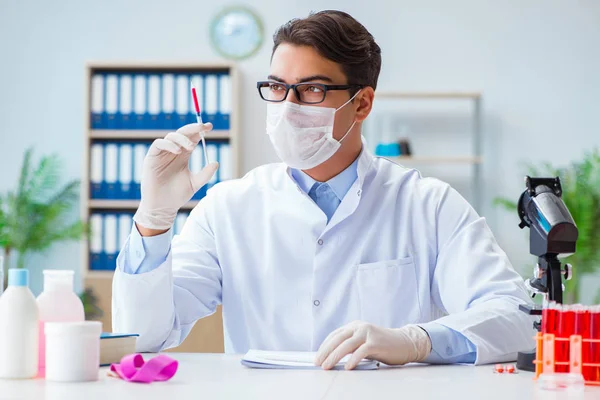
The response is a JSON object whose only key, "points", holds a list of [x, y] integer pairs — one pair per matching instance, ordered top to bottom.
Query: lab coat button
{"points": [[358, 193], [320, 242], [316, 303], [448, 351]]}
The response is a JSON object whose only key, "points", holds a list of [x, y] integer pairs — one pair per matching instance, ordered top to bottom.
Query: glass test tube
{"points": [[566, 327], [582, 328], [595, 347]]}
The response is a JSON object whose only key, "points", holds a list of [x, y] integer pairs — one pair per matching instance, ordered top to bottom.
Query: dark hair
{"points": [[338, 37]]}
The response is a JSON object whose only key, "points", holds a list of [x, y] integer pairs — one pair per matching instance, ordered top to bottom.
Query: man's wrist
{"points": [[155, 222], [147, 232]]}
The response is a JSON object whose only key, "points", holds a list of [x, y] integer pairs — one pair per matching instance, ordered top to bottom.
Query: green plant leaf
{"points": [[506, 203], [39, 212]]}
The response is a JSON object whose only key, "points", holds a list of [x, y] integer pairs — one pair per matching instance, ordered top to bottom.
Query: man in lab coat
{"points": [[333, 250]]}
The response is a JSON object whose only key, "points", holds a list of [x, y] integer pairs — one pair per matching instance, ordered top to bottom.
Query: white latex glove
{"points": [[167, 182], [390, 346]]}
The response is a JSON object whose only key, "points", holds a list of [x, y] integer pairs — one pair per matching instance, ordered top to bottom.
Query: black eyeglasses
{"points": [[308, 93]]}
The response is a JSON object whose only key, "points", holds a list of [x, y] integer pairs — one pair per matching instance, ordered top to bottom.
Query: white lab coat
{"points": [[399, 249]]}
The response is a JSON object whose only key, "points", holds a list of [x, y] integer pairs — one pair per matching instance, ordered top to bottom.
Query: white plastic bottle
{"points": [[1, 275], [57, 303], [19, 318]]}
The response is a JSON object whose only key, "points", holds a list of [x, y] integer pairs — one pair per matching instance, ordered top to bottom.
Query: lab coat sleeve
{"points": [[474, 282], [163, 304]]}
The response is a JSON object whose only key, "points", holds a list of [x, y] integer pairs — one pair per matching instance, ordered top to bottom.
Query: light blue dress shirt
{"points": [[143, 254]]}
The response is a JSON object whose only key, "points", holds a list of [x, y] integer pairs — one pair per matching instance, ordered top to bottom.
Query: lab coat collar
{"points": [[365, 162]]}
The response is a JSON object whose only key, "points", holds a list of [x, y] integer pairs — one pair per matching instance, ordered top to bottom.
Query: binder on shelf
{"points": [[211, 99], [181, 100], [97, 101], [112, 101], [140, 101], [154, 102], [224, 109], [125, 115], [168, 116], [139, 152], [213, 154], [111, 159], [97, 171], [125, 171], [226, 171], [125, 226], [96, 233], [110, 241]]}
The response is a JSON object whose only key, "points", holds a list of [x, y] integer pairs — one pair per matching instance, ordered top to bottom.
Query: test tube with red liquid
{"points": [[199, 120], [549, 320], [566, 328], [582, 328], [595, 347]]}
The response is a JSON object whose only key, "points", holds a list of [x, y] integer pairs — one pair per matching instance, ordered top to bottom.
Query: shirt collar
{"points": [[358, 169], [340, 184]]}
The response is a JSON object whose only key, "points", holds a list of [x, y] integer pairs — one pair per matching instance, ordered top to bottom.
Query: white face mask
{"points": [[303, 135]]}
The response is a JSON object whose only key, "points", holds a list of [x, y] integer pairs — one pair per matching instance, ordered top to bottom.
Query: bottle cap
{"points": [[18, 277], [58, 278]]}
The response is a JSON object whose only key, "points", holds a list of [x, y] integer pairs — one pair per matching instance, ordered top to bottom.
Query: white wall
{"points": [[536, 62]]}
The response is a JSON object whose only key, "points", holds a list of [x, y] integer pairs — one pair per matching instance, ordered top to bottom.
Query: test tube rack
{"points": [[546, 362]]}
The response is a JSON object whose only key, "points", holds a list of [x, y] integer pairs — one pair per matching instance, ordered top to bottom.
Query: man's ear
{"points": [[364, 100]]}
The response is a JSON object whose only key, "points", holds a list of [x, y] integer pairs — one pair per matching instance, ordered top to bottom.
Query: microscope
{"points": [[552, 232]]}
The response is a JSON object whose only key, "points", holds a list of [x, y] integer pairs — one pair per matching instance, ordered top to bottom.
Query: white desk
{"points": [[219, 376]]}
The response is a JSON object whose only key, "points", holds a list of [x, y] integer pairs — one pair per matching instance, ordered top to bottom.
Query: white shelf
{"points": [[184, 64], [429, 95], [132, 134], [436, 160], [128, 204]]}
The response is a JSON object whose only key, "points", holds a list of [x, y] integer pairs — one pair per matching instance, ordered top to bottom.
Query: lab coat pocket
{"points": [[387, 292]]}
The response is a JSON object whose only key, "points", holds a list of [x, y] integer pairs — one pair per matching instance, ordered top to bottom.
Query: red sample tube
{"points": [[549, 318], [566, 327], [582, 328], [595, 347]]}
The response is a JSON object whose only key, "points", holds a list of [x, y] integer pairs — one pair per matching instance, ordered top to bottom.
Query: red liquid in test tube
{"points": [[549, 316], [549, 319], [566, 327], [582, 327], [595, 348]]}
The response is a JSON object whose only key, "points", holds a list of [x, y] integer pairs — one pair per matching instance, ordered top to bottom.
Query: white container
{"points": [[1, 275], [57, 303], [19, 318], [72, 351]]}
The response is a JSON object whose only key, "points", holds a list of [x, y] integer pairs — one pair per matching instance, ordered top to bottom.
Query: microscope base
{"points": [[525, 360]]}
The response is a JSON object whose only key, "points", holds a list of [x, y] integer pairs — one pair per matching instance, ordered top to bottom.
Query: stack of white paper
{"points": [[294, 360]]}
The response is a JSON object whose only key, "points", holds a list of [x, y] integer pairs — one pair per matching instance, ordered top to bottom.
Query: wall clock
{"points": [[236, 32]]}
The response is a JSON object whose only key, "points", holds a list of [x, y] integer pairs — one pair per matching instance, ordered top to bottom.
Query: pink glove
{"points": [[133, 369]]}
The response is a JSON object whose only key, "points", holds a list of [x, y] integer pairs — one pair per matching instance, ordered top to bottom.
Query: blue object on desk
{"points": [[387, 150], [108, 335]]}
